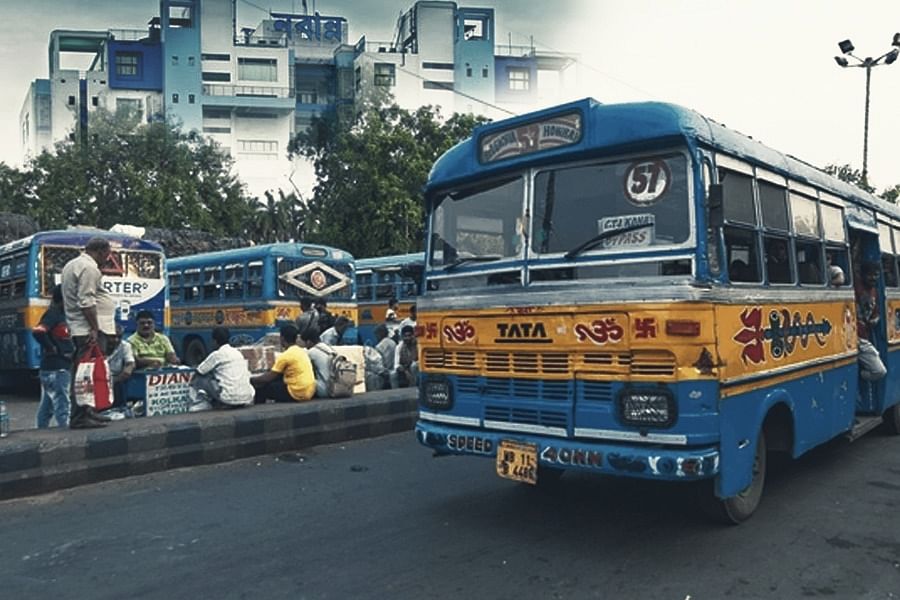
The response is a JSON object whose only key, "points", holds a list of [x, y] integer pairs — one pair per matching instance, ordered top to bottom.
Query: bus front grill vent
{"points": [[653, 362]]}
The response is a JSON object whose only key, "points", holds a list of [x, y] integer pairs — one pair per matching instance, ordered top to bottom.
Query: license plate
{"points": [[517, 461]]}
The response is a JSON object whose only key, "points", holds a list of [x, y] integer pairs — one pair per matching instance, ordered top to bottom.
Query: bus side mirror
{"points": [[714, 196]]}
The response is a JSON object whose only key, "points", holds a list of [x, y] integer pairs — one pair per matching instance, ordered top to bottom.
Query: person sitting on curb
{"points": [[334, 336], [387, 348], [152, 350], [320, 355], [406, 360], [121, 366], [223, 378], [291, 378]]}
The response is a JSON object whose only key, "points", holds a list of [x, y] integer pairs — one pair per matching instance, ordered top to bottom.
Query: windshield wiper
{"points": [[595, 241], [467, 259]]}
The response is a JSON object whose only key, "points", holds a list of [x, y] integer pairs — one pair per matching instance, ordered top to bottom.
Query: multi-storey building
{"points": [[252, 89]]}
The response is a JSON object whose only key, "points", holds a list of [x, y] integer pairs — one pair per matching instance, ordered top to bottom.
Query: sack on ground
{"points": [[343, 376], [93, 386]]}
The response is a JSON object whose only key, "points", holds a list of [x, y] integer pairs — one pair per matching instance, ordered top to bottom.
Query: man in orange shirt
{"points": [[291, 378]]}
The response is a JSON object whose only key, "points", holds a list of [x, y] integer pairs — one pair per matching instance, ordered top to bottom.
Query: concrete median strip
{"points": [[38, 461]]}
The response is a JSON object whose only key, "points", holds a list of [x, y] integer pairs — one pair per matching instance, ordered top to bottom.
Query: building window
{"points": [[180, 16], [474, 29], [223, 57], [174, 59], [190, 61], [127, 64], [437, 65], [258, 69], [468, 70], [484, 72], [385, 74], [215, 76], [358, 79], [519, 79], [438, 85], [307, 97], [174, 98], [191, 98], [71, 100], [95, 101], [128, 105], [210, 112], [212, 129], [257, 146]]}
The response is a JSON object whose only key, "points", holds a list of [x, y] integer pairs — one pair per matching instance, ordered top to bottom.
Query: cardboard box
{"points": [[259, 358]]}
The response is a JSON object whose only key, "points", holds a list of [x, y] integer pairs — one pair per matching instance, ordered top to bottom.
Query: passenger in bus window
{"points": [[777, 262], [738, 270], [835, 276], [871, 368]]}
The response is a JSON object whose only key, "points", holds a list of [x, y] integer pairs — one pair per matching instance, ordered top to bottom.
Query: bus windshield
{"points": [[615, 206]]}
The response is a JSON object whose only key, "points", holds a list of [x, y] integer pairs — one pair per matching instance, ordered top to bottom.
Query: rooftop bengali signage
{"points": [[310, 27], [554, 132]]}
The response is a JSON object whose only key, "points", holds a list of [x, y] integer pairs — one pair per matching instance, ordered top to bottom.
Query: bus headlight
{"points": [[437, 394], [647, 408]]}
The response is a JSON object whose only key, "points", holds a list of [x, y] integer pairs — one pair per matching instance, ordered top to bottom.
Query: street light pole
{"points": [[868, 63]]}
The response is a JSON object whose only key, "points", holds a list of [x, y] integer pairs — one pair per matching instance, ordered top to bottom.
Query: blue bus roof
{"points": [[617, 128], [79, 237], [285, 249], [396, 260]]}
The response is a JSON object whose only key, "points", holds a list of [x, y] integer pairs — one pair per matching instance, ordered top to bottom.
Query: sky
{"points": [[762, 67]]}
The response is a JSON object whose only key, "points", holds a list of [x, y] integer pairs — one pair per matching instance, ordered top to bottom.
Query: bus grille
{"points": [[646, 363], [595, 391], [525, 416]]}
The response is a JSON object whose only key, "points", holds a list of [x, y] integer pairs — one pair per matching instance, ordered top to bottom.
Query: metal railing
{"points": [[130, 35], [257, 91]]}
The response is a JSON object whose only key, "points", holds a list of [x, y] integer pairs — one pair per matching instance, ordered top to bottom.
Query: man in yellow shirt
{"points": [[291, 378]]}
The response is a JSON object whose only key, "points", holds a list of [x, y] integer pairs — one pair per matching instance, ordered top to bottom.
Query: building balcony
{"points": [[256, 96]]}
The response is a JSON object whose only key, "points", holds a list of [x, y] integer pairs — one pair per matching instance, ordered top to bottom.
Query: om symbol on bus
{"points": [[647, 181], [600, 331], [460, 332]]}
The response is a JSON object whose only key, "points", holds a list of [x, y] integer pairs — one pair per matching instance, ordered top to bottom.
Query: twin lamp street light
{"points": [[867, 63]]}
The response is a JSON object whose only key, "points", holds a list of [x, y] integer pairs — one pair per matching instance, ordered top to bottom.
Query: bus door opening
{"points": [[870, 305]]}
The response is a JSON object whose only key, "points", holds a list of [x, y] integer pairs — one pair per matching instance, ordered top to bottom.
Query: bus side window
{"points": [[741, 251], [778, 260], [809, 263], [889, 265], [255, 280], [234, 281], [175, 286], [364, 288], [385, 288], [191, 290]]}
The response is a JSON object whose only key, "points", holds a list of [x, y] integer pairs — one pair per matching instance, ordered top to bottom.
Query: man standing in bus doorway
{"points": [[90, 313], [871, 368]]}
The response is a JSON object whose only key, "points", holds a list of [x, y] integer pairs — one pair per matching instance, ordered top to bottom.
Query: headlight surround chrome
{"points": [[437, 394], [653, 407]]}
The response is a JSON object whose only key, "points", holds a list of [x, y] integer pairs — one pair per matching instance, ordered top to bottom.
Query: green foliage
{"points": [[125, 171], [370, 173]]}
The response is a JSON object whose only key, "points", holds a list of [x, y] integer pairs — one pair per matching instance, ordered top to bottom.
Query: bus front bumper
{"points": [[621, 459]]}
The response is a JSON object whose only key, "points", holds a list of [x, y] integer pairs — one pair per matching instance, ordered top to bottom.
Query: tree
{"points": [[146, 174], [370, 174], [850, 175]]}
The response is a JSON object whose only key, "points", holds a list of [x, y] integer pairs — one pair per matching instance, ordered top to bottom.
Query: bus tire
{"points": [[194, 352], [892, 420], [737, 509]]}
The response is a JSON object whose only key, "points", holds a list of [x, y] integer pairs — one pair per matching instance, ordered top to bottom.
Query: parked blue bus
{"points": [[30, 267], [380, 279], [253, 290], [637, 290]]}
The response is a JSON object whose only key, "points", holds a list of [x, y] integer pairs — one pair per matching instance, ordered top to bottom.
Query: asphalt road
{"points": [[382, 519]]}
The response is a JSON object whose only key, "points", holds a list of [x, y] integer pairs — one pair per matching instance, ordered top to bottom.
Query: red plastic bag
{"points": [[93, 386]]}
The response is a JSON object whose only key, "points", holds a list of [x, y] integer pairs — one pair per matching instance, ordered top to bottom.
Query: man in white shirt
{"points": [[90, 313], [411, 319], [334, 336], [223, 377]]}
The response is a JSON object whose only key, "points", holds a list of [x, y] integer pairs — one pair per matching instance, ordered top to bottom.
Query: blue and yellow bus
{"points": [[30, 267], [380, 279], [253, 290], [637, 290]]}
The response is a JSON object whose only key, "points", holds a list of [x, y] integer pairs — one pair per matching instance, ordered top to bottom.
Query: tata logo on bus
{"points": [[554, 132], [783, 332], [522, 333]]}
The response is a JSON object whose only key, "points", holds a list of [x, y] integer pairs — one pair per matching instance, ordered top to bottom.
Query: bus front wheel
{"points": [[194, 352], [892, 420], [737, 509]]}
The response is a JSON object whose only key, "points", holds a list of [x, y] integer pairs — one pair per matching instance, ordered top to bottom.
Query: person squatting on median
{"points": [[222, 379]]}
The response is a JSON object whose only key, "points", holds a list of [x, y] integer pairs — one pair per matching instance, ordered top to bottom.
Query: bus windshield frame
{"points": [[537, 224]]}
